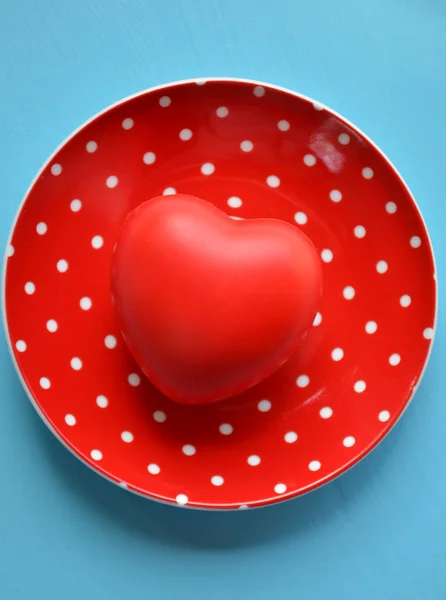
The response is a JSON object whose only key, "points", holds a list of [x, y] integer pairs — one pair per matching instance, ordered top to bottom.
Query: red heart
{"points": [[210, 306]]}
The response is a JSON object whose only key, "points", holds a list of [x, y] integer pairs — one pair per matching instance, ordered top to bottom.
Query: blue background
{"points": [[379, 532]]}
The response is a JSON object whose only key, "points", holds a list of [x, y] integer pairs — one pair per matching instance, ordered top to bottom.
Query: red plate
{"points": [[256, 151]]}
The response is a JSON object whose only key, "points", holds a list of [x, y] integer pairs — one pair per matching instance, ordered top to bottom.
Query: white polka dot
{"points": [[200, 81], [259, 91], [165, 101], [318, 106], [222, 112], [127, 123], [283, 125], [185, 135], [344, 139], [91, 146], [246, 146], [149, 158], [309, 160], [208, 168], [56, 169], [367, 173], [111, 181], [273, 181], [169, 191], [335, 196], [234, 202], [75, 205], [391, 208], [300, 218], [41, 228], [359, 231], [415, 241], [97, 242], [11, 250], [327, 255], [62, 265], [381, 266], [30, 288], [349, 292], [405, 300], [85, 303], [317, 320], [51, 325], [371, 327], [428, 333], [110, 341], [20, 345], [337, 354], [394, 359], [76, 363], [134, 379], [302, 381], [45, 383], [360, 386], [102, 401], [264, 405], [326, 412], [159, 416], [384, 416], [70, 420], [226, 429], [127, 437], [290, 437], [349, 441], [188, 450], [96, 455], [254, 460], [314, 465], [154, 469], [217, 480], [123, 485], [280, 488], [182, 499], [243, 507]]}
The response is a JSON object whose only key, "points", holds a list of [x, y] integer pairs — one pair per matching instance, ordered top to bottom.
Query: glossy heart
{"points": [[210, 306]]}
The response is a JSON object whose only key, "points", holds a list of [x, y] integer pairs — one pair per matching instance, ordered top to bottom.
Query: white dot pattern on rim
{"points": [[259, 91], [165, 101], [127, 123], [344, 139], [56, 169], [367, 173], [169, 191], [391, 208], [415, 241], [10, 250], [30, 288], [428, 333], [20, 346], [394, 359], [45, 383], [384, 416], [349, 441], [96, 455], [314, 465], [154, 469], [217, 480], [280, 488], [182, 499]]}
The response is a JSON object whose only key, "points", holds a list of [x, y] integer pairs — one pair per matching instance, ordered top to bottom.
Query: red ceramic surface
{"points": [[256, 151], [210, 306]]}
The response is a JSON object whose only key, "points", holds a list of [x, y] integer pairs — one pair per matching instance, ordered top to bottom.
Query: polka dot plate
{"points": [[255, 151]]}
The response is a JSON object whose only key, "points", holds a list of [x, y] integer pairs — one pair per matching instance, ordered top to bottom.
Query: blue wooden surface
{"points": [[380, 530]]}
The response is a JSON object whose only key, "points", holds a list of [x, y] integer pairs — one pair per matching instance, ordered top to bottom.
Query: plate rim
{"points": [[232, 506]]}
